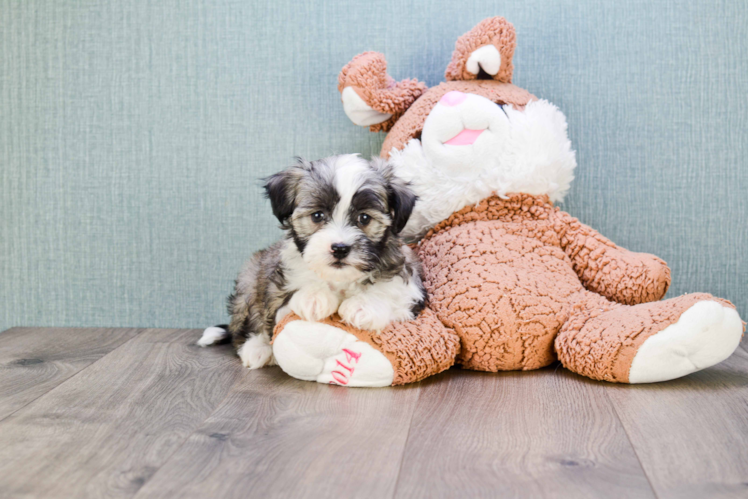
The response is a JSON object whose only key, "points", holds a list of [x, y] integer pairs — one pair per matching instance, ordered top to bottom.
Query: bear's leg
{"points": [[649, 342], [327, 354]]}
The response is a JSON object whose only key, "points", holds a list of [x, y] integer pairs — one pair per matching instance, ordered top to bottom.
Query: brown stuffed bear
{"points": [[518, 281]]}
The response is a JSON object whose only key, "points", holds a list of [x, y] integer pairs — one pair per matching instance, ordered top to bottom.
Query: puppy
{"points": [[342, 217]]}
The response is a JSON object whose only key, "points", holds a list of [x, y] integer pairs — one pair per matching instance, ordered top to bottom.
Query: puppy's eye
{"points": [[318, 217], [364, 219]]}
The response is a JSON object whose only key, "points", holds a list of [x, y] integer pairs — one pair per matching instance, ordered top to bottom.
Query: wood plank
{"points": [[35, 360], [105, 431], [544, 433], [691, 434], [279, 437]]}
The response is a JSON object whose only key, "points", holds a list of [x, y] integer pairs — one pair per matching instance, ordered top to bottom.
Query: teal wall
{"points": [[133, 134]]}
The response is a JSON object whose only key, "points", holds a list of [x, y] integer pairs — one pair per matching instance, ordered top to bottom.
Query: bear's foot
{"points": [[707, 333], [650, 342], [323, 353]]}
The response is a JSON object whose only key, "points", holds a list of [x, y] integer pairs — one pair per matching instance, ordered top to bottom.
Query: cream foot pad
{"points": [[707, 333]]}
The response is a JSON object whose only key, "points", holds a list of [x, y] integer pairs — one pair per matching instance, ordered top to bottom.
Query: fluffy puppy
{"points": [[342, 217]]}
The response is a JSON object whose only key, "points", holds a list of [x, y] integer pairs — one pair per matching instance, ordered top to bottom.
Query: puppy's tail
{"points": [[214, 335]]}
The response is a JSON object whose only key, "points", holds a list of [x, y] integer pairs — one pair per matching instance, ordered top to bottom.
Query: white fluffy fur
{"points": [[519, 151], [316, 298], [315, 301], [381, 303], [370, 307], [213, 335], [256, 352]]}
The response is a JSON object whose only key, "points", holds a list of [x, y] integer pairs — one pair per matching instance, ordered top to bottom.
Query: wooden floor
{"points": [[146, 413]]}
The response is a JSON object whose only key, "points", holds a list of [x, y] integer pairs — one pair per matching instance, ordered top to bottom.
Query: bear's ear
{"points": [[485, 52], [370, 96]]}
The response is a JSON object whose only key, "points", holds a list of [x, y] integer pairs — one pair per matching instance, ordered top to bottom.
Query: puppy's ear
{"points": [[281, 190], [400, 198]]}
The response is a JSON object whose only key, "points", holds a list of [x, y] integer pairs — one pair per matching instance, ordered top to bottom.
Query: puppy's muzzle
{"points": [[340, 250]]}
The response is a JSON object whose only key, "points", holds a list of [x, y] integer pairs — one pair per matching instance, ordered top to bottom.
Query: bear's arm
{"points": [[603, 267]]}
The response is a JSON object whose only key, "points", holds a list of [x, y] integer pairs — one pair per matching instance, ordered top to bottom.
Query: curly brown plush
{"points": [[494, 31], [367, 76], [514, 282], [523, 283]]}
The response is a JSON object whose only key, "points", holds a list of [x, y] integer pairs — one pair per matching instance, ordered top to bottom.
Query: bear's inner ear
{"points": [[482, 75]]}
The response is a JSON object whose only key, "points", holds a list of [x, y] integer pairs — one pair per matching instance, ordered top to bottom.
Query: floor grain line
{"points": [[72, 376], [26, 379], [147, 413], [108, 430], [542, 433], [691, 434], [276, 436], [186, 438], [405, 446], [633, 446]]}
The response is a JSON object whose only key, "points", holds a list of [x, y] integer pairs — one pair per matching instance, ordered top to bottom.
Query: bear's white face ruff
{"points": [[472, 148]]}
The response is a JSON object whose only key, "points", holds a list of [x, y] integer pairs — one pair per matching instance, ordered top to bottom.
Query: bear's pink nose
{"points": [[452, 98]]}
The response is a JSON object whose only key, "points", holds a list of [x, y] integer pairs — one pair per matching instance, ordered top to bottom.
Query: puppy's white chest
{"points": [[347, 290]]}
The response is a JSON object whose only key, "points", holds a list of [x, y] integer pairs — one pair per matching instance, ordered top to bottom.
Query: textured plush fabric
{"points": [[495, 31], [367, 75], [132, 135], [510, 275], [515, 284], [417, 349]]}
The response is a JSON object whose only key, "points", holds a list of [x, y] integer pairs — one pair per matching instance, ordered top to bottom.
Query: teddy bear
{"points": [[514, 282]]}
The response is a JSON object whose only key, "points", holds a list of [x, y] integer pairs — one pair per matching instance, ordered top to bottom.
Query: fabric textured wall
{"points": [[133, 134]]}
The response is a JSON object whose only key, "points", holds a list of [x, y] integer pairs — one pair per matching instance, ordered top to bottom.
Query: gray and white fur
{"points": [[342, 252]]}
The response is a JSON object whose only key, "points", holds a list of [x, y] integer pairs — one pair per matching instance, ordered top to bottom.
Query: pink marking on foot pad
{"points": [[452, 98], [464, 138], [351, 355], [338, 376]]}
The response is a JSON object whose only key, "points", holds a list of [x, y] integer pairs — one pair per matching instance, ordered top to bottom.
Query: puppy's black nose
{"points": [[340, 250]]}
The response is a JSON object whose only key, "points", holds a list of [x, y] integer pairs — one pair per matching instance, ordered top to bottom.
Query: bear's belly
{"points": [[504, 288]]}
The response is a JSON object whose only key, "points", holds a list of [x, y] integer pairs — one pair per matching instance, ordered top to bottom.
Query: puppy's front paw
{"points": [[314, 304], [363, 313], [256, 352]]}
